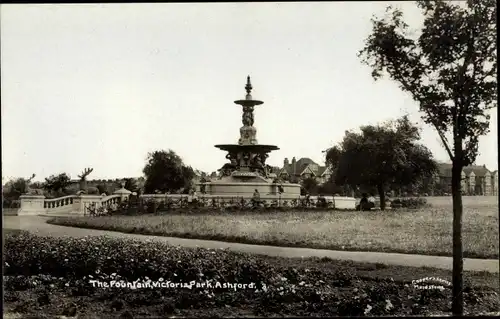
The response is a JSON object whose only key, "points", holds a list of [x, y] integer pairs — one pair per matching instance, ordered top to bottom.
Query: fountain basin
{"points": [[252, 148], [245, 188]]}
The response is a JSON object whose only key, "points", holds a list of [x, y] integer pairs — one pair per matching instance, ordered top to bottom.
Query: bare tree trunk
{"points": [[381, 194], [458, 263]]}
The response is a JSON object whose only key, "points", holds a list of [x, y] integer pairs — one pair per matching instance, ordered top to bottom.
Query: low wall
{"points": [[247, 189]]}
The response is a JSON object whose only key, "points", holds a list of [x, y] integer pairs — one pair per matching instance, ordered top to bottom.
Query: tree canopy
{"points": [[450, 69], [381, 156], [166, 172], [57, 183], [131, 184], [310, 185], [15, 188]]}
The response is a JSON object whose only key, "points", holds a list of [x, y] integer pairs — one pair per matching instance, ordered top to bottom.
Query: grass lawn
{"points": [[426, 231]]}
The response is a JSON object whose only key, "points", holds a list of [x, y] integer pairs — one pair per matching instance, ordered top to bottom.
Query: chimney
{"points": [[285, 162], [294, 162]]}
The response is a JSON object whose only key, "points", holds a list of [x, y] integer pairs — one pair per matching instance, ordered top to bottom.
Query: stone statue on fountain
{"points": [[247, 117], [232, 160], [258, 164]]}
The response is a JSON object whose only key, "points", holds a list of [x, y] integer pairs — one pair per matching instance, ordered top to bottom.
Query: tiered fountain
{"points": [[247, 170]]}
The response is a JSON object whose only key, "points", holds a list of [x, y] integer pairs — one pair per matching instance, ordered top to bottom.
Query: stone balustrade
{"points": [[110, 200], [60, 202], [72, 204]]}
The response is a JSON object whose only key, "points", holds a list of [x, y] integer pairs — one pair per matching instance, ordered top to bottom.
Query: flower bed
{"points": [[232, 204], [51, 276]]}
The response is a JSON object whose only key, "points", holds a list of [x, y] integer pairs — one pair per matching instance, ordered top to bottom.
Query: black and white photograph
{"points": [[250, 159]]}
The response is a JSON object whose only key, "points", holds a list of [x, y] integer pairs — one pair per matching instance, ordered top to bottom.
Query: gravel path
{"points": [[37, 224]]}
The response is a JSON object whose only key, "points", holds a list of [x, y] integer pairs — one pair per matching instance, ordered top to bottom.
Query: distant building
{"points": [[297, 171], [476, 180]]}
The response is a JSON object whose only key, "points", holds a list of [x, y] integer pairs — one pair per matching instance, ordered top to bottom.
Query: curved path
{"points": [[37, 224]]}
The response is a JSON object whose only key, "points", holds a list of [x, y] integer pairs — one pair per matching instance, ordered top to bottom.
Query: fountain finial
{"points": [[248, 87]]}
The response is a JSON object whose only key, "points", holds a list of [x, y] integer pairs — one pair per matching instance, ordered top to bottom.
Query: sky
{"points": [[101, 85]]}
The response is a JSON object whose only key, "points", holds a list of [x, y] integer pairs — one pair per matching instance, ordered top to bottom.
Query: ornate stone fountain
{"points": [[246, 170]]}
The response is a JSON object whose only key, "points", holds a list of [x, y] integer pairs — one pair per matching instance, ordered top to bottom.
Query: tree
{"points": [[450, 70], [381, 156], [165, 172], [83, 178], [57, 183], [131, 184], [310, 185], [329, 187], [13, 189], [102, 189], [93, 190]]}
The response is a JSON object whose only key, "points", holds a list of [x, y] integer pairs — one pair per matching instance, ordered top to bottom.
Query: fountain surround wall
{"points": [[246, 170]]}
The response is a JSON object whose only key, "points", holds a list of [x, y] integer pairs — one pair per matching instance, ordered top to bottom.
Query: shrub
{"points": [[102, 189], [93, 191], [415, 203], [233, 204], [32, 261]]}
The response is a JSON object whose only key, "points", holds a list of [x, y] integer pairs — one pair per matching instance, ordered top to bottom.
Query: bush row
{"points": [[413, 203], [182, 205], [31, 261]]}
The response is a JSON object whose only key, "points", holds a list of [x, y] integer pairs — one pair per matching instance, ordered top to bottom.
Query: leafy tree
{"points": [[450, 70], [381, 156], [165, 172], [57, 183], [131, 184], [36, 185], [310, 185], [330, 188], [13, 189], [102, 189], [91, 190]]}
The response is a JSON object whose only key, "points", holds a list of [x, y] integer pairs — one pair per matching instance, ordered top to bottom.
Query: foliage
{"points": [[451, 71], [381, 156], [86, 172], [165, 172], [57, 183], [131, 184], [310, 185], [14, 188], [330, 188], [103, 189], [93, 191], [414, 203], [234, 204], [39, 263]]}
